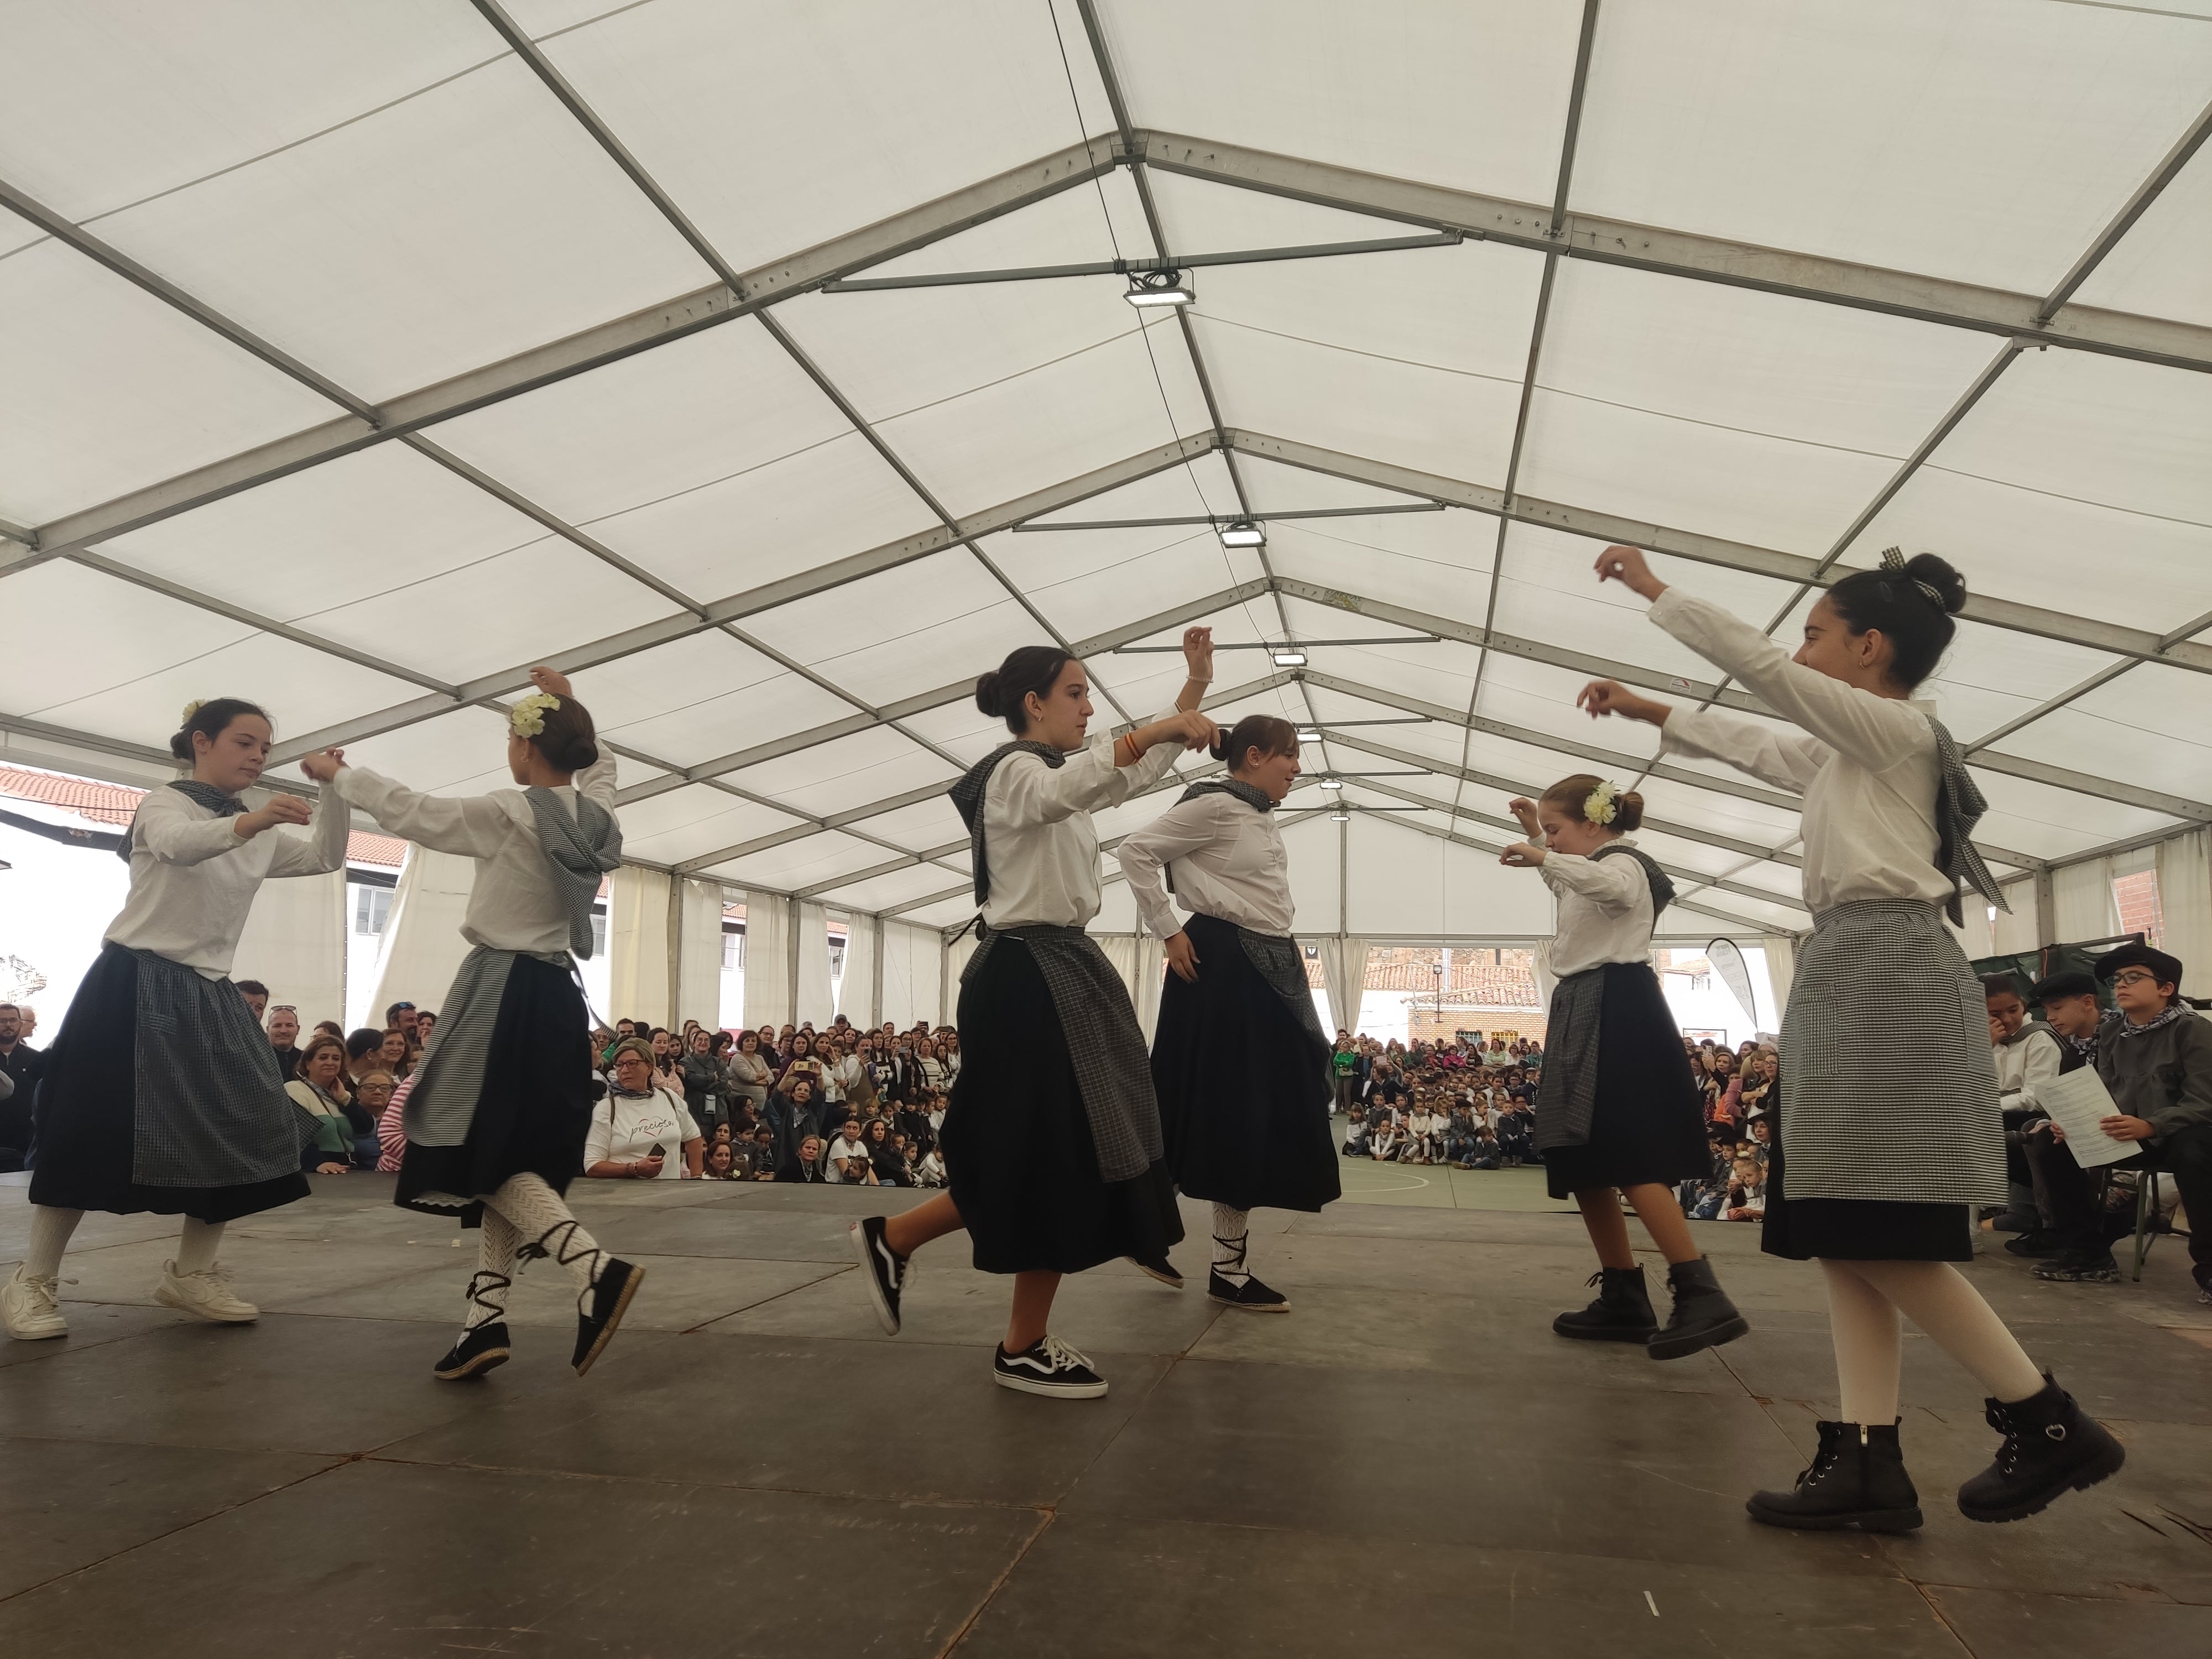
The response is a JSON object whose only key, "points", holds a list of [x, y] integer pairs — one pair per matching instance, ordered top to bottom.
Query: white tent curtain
{"points": [[2185, 899], [2081, 902], [2015, 930], [1976, 937], [294, 943], [423, 944], [637, 945], [767, 948], [1121, 950], [699, 953], [1781, 967], [911, 973], [1344, 977], [856, 987], [818, 998]]}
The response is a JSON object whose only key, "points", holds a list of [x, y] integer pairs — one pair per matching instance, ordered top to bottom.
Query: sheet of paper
{"points": [[2077, 1103]]}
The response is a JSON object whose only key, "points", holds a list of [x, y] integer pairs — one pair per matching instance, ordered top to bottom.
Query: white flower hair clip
{"points": [[190, 709], [527, 718], [1602, 804]]}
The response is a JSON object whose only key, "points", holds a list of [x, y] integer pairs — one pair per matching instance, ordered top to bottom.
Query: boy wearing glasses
{"points": [[2155, 1059]]}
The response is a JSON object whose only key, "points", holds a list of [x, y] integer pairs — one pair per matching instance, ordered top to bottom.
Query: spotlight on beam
{"points": [[1159, 288], [1244, 532], [1289, 656], [1308, 734], [1331, 783]]}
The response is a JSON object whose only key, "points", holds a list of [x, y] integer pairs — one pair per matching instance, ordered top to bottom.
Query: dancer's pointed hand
{"points": [[1627, 565], [550, 680], [1602, 698], [1524, 811], [1522, 855]]}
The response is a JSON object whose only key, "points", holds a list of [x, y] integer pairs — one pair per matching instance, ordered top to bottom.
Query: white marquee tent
{"points": [[359, 354]]}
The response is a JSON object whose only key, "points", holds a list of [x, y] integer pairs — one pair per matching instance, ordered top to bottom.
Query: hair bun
{"points": [[1937, 572], [987, 694], [1219, 748], [1630, 816]]}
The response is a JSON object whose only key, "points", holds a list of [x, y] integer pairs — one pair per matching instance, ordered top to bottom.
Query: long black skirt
{"points": [[1244, 1088], [535, 1108], [1646, 1121], [83, 1122], [1019, 1161], [1859, 1228]]}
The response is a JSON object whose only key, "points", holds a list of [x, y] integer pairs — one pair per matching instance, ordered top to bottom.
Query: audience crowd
{"points": [[860, 1106]]}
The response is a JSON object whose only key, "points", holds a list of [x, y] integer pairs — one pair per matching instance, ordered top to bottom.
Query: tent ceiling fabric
{"points": [[421, 341]]}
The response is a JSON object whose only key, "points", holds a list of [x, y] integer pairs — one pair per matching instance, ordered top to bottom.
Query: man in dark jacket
{"points": [[2154, 1057], [23, 1066]]}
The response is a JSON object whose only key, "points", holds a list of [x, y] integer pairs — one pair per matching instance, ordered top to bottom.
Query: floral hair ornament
{"points": [[1892, 560], [190, 709], [527, 718], [1602, 804]]}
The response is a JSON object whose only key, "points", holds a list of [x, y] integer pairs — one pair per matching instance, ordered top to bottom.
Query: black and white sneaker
{"points": [[1160, 1268], [883, 1270], [1251, 1296], [482, 1349], [1050, 1368]]}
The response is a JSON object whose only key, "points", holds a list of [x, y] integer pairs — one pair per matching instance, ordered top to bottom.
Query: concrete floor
{"points": [[1408, 1464]]}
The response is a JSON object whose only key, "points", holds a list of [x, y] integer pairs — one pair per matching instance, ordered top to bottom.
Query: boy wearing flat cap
{"points": [[2156, 1058]]}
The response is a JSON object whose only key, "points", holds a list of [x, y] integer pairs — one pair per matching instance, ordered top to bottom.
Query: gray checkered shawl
{"points": [[968, 801], [1959, 808], [581, 849], [1283, 965], [1113, 1070], [1888, 1089], [210, 1108]]}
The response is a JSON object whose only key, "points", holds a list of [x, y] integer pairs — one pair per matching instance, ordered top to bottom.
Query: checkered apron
{"points": [[1113, 1070], [1889, 1088], [210, 1108]]}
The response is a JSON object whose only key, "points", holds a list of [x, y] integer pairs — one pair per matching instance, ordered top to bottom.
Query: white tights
{"points": [[524, 1221], [50, 1229], [1864, 1301]]}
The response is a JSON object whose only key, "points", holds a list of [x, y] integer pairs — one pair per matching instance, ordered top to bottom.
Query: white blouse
{"points": [[1868, 770], [1037, 833], [1227, 860], [194, 878], [517, 903], [1604, 910], [2030, 1060], [625, 1129]]}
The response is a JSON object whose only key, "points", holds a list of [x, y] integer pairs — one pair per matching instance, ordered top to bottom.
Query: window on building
{"points": [[371, 908], [598, 935], [733, 949]]}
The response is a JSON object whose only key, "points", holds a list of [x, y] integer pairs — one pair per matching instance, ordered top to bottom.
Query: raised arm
{"points": [[1103, 773], [474, 826], [167, 827], [324, 847], [1611, 884]]}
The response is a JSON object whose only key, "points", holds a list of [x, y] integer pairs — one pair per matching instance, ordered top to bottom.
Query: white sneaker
{"points": [[207, 1294], [29, 1307]]}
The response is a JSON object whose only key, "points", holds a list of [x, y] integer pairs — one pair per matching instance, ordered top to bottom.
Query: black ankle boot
{"points": [[1622, 1312], [1703, 1315], [480, 1350], [2050, 1447], [1857, 1478]]}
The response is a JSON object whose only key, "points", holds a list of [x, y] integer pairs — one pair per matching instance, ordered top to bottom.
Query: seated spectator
{"points": [[284, 1039], [364, 1053], [397, 1056], [2026, 1056], [2154, 1057], [667, 1060], [802, 1062], [321, 1090], [372, 1098], [1723, 1106], [793, 1115], [640, 1123], [391, 1130], [1355, 1131], [1515, 1133], [1385, 1135], [1485, 1150], [887, 1154], [759, 1155], [720, 1162], [804, 1164], [850, 1164], [930, 1171], [1746, 1192]]}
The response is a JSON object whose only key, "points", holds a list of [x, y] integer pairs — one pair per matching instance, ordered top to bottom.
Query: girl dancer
{"points": [[1240, 1063], [161, 1093], [502, 1102], [1617, 1108], [1890, 1128], [1052, 1142]]}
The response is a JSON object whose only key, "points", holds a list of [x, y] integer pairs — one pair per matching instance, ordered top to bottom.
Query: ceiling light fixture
{"points": [[1159, 288], [1244, 532], [1289, 656], [1308, 734], [1331, 783], [1340, 816]]}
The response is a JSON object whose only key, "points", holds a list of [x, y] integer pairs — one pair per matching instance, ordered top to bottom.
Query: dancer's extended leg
{"points": [[1230, 1280], [604, 1283], [30, 1305]]}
